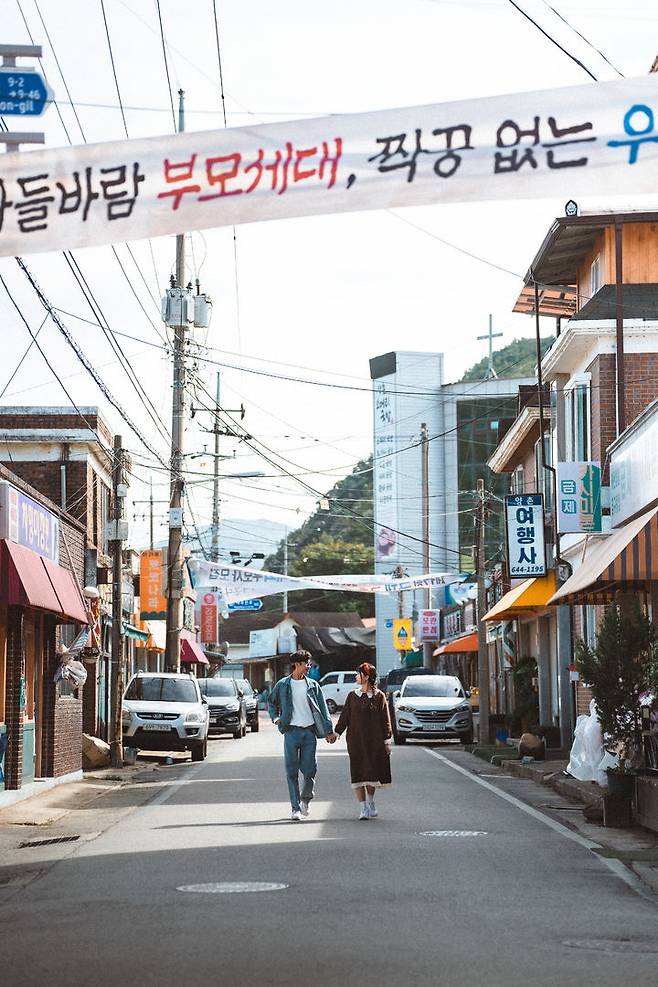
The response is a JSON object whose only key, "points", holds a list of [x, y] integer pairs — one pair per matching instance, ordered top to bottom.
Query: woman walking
{"points": [[365, 717]]}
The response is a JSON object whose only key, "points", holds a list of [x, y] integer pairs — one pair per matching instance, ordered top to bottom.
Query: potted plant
{"points": [[617, 671], [526, 702]]}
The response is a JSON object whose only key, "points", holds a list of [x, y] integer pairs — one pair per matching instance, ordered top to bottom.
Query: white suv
{"points": [[336, 687], [432, 707], [165, 712]]}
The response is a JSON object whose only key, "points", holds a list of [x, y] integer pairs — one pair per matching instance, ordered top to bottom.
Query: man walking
{"points": [[297, 706]]}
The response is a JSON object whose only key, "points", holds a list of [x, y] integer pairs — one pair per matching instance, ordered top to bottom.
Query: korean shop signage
{"points": [[521, 146], [578, 497], [28, 523], [526, 553], [152, 601], [429, 625]]}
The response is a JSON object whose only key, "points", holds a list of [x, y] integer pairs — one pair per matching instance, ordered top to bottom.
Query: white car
{"points": [[336, 687], [432, 707], [164, 711]]}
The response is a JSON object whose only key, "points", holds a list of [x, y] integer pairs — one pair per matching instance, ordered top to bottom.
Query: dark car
{"points": [[251, 702], [227, 707]]}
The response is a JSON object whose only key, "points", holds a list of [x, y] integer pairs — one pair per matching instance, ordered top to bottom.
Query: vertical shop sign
{"points": [[526, 553]]}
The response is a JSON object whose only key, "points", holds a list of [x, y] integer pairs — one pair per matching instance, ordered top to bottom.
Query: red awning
{"points": [[28, 580], [461, 645], [191, 652]]}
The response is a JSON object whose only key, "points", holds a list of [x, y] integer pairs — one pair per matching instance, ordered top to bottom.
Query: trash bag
{"points": [[75, 672], [587, 748]]}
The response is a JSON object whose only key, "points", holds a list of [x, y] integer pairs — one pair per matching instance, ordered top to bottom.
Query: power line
{"points": [[580, 35], [553, 41], [166, 66], [114, 71]]}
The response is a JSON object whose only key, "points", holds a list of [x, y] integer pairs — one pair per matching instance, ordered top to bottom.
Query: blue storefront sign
{"points": [[26, 522]]}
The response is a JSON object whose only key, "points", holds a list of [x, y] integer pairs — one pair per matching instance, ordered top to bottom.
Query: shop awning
{"points": [[626, 559], [28, 580], [530, 595], [135, 633], [157, 634], [461, 645], [191, 652]]}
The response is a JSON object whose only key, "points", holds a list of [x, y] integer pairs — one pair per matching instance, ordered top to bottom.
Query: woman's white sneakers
{"points": [[372, 809], [364, 813]]}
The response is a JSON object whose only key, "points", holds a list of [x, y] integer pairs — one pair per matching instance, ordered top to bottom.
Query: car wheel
{"points": [[331, 706], [255, 726], [244, 729], [237, 734], [467, 738], [398, 739], [199, 750]]}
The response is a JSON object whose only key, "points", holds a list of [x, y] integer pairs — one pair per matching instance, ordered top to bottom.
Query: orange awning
{"points": [[526, 598], [461, 645]]}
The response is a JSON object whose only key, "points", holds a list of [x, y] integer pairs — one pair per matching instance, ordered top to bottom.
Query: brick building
{"points": [[67, 456], [42, 562]]}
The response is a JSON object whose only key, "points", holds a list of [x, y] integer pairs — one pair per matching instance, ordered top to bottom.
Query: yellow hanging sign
{"points": [[402, 631]]}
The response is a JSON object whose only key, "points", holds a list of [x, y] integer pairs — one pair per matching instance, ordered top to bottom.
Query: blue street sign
{"points": [[23, 94], [245, 605], [388, 624]]}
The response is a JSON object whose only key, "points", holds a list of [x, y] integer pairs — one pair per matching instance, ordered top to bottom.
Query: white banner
{"points": [[566, 142], [235, 583]]}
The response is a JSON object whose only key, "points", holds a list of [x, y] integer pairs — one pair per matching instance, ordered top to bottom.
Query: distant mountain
{"points": [[517, 359]]}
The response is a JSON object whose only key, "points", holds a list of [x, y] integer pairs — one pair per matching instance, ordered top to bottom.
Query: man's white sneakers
{"points": [[305, 807], [364, 814], [296, 815]]}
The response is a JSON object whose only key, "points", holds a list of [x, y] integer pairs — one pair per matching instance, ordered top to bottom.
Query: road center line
{"points": [[616, 866]]}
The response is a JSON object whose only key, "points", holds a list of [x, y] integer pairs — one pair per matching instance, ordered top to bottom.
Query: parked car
{"points": [[392, 683], [336, 687], [251, 703], [227, 706], [432, 707], [165, 712]]}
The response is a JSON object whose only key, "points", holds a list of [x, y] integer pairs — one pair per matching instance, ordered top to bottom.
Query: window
{"points": [[595, 276], [577, 403], [544, 477], [517, 483], [350, 677], [330, 680], [217, 687], [164, 690]]}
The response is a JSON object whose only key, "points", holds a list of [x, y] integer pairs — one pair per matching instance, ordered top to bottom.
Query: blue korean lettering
{"points": [[635, 130]]}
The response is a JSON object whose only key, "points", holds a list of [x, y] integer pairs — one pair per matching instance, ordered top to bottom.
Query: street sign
{"points": [[23, 93], [248, 605], [388, 625], [402, 634]]}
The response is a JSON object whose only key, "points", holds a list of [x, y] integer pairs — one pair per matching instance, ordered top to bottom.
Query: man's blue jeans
{"points": [[299, 745]]}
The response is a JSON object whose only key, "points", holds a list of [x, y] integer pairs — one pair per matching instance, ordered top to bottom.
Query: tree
{"points": [[518, 359], [327, 558], [617, 669]]}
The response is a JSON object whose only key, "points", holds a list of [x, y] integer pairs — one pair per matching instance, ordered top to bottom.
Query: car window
{"points": [[350, 677], [329, 680], [245, 685], [217, 687], [439, 687], [156, 689]]}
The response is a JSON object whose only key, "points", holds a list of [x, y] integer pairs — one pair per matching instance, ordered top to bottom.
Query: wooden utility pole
{"points": [[116, 549], [428, 647], [483, 654]]}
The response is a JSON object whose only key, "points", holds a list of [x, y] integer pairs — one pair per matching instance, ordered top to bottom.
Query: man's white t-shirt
{"points": [[301, 711]]}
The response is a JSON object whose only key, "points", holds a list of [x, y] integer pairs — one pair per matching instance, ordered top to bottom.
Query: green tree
{"points": [[517, 359], [617, 669]]}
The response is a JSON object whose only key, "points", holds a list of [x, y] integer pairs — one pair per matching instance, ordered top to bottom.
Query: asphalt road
{"points": [[365, 903]]}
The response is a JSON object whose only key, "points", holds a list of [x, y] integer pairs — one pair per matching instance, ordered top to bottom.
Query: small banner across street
{"points": [[598, 136]]}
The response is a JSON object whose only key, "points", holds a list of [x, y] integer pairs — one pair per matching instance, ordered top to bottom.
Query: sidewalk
{"points": [[634, 846]]}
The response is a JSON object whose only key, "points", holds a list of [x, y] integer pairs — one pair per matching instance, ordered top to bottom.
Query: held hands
{"points": [[331, 738]]}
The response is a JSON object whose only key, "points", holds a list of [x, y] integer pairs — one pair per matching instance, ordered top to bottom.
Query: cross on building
{"points": [[491, 335]]}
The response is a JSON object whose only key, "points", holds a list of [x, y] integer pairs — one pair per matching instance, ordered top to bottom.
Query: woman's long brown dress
{"points": [[368, 725]]}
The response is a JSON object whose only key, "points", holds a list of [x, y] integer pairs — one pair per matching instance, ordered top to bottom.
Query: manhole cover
{"points": [[453, 832], [51, 842], [232, 887], [612, 945]]}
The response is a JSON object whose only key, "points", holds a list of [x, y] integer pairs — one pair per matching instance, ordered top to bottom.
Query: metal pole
{"points": [[619, 318], [425, 481], [151, 517], [214, 549], [175, 554], [285, 572], [483, 654], [116, 739]]}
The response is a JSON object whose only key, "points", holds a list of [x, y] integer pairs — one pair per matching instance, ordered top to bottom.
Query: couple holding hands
{"points": [[297, 706]]}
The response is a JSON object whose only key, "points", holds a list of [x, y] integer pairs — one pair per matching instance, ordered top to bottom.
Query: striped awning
{"points": [[627, 559]]}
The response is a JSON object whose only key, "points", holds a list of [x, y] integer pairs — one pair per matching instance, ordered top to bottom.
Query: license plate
{"points": [[163, 727], [434, 727]]}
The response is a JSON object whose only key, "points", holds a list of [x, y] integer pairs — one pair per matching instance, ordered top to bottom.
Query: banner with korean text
{"points": [[564, 141], [578, 497], [234, 582]]}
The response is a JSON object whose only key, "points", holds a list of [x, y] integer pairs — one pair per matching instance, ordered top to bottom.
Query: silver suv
{"points": [[432, 707], [165, 712]]}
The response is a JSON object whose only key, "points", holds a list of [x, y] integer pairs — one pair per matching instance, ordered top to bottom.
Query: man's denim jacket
{"points": [[280, 705]]}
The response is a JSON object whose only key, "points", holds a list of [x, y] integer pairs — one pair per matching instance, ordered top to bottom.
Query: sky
{"points": [[315, 297]]}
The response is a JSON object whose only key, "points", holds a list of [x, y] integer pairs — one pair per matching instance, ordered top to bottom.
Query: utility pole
{"points": [[425, 483], [176, 487], [151, 516], [117, 533], [214, 548], [285, 571], [483, 654]]}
